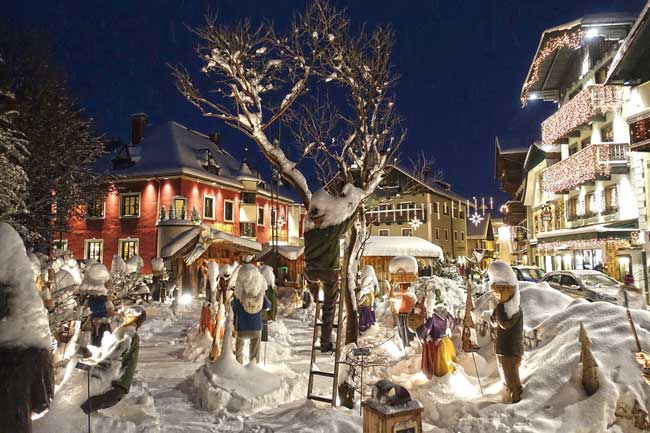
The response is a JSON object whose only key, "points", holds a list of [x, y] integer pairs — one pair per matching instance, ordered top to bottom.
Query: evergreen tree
{"points": [[61, 142], [13, 150]]}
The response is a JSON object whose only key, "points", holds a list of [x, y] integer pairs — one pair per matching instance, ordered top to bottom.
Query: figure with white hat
{"points": [[508, 320]]}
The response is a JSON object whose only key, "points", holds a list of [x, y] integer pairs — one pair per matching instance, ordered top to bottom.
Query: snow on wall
{"points": [[26, 324]]}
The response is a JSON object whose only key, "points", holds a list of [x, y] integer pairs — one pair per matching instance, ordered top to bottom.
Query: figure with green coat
{"points": [[328, 220]]}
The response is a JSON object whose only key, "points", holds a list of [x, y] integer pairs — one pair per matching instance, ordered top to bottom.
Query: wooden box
{"points": [[381, 418]]}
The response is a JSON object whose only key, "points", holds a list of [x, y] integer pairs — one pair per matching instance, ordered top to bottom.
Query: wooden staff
{"points": [[636, 337]]}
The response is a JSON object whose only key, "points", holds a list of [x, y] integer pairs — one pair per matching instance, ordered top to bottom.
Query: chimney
{"points": [[138, 122], [215, 137]]}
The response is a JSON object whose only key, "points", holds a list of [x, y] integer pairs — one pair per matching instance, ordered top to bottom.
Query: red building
{"points": [[171, 181]]}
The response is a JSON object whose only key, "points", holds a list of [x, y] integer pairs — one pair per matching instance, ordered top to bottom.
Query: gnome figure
{"points": [[508, 320]]}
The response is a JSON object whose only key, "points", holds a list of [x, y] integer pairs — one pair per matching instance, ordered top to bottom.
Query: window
{"points": [[607, 133], [248, 197], [611, 199], [590, 201], [130, 205], [180, 207], [208, 207], [436, 207], [96, 208], [445, 208], [572, 209], [228, 211], [406, 211], [454, 212], [462, 214], [260, 216], [273, 216], [247, 230], [437, 231], [384, 232], [407, 232], [446, 234], [455, 235], [462, 236], [60, 246], [128, 248], [94, 249], [568, 281]]}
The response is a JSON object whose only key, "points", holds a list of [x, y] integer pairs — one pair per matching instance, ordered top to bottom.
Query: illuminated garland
{"points": [[571, 39], [591, 101], [584, 166], [583, 244]]}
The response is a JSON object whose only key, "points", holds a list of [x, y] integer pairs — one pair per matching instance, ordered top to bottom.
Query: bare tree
{"points": [[330, 84]]}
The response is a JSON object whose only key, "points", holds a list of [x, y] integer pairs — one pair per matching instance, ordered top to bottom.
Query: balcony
{"points": [[589, 104], [595, 162], [399, 216]]}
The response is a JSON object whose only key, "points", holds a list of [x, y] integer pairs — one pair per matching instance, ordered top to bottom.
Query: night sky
{"points": [[462, 64]]}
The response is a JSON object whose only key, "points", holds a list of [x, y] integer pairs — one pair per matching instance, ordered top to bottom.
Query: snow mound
{"points": [[333, 210], [134, 264], [157, 264], [406, 264], [95, 279], [541, 301], [159, 317], [25, 323], [197, 344], [226, 385], [553, 399], [304, 417]]}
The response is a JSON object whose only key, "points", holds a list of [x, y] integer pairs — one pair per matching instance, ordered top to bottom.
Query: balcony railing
{"points": [[590, 102], [595, 162], [397, 215]]}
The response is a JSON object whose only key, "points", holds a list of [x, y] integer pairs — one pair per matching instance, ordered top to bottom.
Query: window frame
{"points": [[130, 194], [214, 203], [232, 204], [178, 213], [103, 215], [263, 216], [407, 229], [254, 230], [380, 231], [437, 233], [446, 234], [455, 235], [462, 236], [122, 241], [87, 242]]}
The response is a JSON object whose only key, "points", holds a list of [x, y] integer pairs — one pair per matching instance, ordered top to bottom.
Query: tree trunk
{"points": [[352, 321]]}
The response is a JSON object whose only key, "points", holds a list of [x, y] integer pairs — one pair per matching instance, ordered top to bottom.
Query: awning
{"points": [[621, 231], [194, 242], [391, 246]]}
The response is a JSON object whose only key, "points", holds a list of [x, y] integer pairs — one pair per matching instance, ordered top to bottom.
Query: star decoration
{"points": [[476, 219], [415, 223]]}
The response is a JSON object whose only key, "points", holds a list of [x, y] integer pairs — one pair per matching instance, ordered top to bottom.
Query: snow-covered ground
{"points": [[177, 390]]}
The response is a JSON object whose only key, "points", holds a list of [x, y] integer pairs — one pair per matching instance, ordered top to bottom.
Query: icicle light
{"points": [[571, 39], [589, 102], [587, 165]]}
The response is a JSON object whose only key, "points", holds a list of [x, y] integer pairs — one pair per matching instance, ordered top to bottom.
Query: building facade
{"points": [[168, 180], [584, 187], [430, 210]]}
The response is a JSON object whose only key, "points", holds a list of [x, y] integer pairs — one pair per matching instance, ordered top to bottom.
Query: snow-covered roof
{"points": [[171, 148], [482, 230], [189, 238], [391, 246], [289, 252]]}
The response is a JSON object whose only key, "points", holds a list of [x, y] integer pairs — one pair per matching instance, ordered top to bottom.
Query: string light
{"points": [[570, 39], [589, 102], [584, 166], [582, 244]]}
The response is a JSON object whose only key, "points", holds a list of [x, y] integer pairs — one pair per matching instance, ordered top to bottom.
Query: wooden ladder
{"points": [[313, 371]]}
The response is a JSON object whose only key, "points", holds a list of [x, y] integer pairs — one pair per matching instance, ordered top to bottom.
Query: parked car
{"points": [[528, 273], [595, 286]]}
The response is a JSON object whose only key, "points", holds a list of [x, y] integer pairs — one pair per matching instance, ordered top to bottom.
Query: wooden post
{"points": [[589, 364]]}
